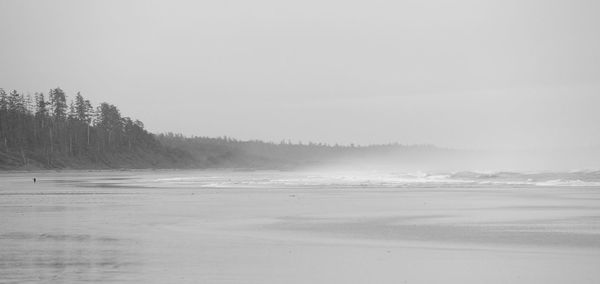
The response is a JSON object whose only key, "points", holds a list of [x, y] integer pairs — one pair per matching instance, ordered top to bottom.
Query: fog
{"points": [[477, 75], [314, 141], [452, 160]]}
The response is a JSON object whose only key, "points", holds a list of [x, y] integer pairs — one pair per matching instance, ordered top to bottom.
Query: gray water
{"points": [[299, 227]]}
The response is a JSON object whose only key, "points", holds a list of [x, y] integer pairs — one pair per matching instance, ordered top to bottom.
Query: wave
{"points": [[571, 178], [383, 179]]}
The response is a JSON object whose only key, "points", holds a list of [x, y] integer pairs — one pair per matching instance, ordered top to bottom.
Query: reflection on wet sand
{"points": [[119, 227], [549, 233], [64, 258]]}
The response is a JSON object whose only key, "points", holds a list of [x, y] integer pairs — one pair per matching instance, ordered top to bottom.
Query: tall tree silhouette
{"points": [[53, 133]]}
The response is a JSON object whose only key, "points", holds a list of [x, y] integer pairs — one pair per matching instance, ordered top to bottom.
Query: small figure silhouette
{"points": [[34, 180]]}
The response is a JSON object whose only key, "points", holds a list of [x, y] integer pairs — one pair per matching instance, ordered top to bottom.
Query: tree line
{"points": [[50, 128], [52, 131], [227, 152]]}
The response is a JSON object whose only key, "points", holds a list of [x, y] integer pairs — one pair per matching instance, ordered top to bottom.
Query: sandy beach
{"points": [[154, 227]]}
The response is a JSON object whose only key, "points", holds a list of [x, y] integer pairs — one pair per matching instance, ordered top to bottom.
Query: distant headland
{"points": [[50, 131]]}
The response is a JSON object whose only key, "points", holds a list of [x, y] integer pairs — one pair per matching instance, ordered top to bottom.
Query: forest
{"points": [[48, 131], [51, 131], [226, 152]]}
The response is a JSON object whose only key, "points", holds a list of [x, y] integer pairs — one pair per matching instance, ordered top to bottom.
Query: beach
{"points": [[214, 227]]}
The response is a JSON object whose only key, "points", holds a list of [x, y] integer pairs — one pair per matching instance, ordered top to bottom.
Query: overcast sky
{"points": [[499, 74]]}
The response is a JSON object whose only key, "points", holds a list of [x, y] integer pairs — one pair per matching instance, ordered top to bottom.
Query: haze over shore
{"points": [[463, 74]]}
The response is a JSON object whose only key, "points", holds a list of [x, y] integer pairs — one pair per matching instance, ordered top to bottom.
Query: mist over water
{"points": [[329, 141], [439, 160], [374, 179]]}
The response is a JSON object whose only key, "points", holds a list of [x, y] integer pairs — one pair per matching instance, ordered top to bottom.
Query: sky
{"points": [[462, 74]]}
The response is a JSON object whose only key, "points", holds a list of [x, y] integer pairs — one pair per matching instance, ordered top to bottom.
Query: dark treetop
{"points": [[50, 132]]}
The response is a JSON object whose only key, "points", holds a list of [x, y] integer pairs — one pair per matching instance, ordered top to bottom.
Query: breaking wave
{"points": [[572, 178], [381, 179]]}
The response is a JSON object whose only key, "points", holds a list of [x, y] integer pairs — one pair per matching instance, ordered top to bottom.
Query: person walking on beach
{"points": [[34, 180]]}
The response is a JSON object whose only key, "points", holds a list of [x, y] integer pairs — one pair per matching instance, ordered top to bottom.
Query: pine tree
{"points": [[58, 102], [3, 118], [52, 132]]}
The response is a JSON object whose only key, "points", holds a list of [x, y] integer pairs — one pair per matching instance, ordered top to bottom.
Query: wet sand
{"points": [[116, 227]]}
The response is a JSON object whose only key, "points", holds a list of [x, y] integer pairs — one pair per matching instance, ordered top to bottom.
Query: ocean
{"points": [[225, 226]]}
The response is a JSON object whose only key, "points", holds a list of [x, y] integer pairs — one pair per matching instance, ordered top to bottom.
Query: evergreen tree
{"points": [[58, 102], [82, 108], [3, 118], [52, 132]]}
